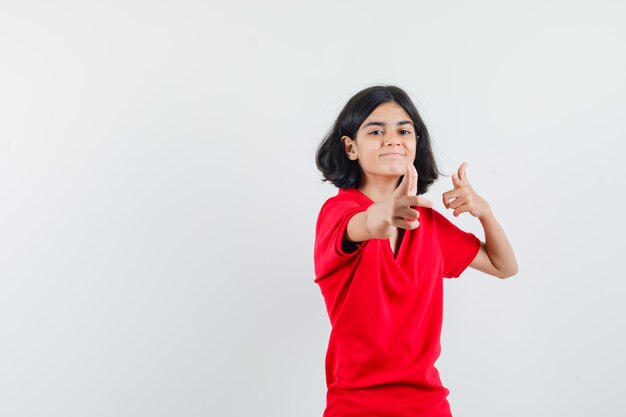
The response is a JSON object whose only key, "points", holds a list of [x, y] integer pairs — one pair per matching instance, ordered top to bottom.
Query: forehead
{"points": [[388, 112]]}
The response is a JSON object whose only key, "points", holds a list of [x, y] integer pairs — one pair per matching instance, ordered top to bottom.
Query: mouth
{"points": [[392, 154]]}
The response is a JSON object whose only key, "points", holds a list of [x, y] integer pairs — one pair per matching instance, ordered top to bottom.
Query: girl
{"points": [[381, 252]]}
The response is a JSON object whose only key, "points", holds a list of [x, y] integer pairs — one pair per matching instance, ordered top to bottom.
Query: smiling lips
{"points": [[392, 154]]}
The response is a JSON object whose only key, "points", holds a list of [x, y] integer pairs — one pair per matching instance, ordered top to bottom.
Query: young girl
{"points": [[381, 252]]}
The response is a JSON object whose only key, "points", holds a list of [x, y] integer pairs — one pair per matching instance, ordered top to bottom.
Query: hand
{"points": [[463, 197], [396, 211]]}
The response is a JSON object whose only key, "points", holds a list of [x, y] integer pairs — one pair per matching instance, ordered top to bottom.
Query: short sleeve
{"points": [[458, 248], [329, 252]]}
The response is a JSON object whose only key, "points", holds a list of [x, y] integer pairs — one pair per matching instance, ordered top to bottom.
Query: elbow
{"points": [[504, 274]]}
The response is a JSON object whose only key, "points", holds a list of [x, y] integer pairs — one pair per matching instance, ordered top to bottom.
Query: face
{"points": [[384, 143]]}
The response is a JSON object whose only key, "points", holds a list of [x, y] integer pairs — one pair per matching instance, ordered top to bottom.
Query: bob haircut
{"points": [[340, 170]]}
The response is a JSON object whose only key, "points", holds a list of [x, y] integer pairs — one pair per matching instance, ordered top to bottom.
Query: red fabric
{"points": [[386, 312]]}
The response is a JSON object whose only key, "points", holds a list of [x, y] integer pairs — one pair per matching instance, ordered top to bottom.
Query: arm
{"points": [[357, 230], [495, 256]]}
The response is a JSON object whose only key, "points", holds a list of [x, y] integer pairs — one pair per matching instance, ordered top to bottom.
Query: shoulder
{"points": [[345, 198], [338, 209], [428, 214], [433, 214], [431, 219]]}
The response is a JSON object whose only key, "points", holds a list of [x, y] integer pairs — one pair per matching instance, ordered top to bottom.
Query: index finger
{"points": [[416, 200]]}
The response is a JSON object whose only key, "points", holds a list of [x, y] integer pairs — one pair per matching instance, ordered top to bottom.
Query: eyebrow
{"points": [[400, 123]]}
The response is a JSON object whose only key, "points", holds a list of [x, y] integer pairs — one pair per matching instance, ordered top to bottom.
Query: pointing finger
{"points": [[420, 201]]}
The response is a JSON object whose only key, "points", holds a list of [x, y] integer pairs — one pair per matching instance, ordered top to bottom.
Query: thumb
{"points": [[461, 172], [408, 185]]}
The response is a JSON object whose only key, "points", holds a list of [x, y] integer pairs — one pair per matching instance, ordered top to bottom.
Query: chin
{"points": [[397, 171], [394, 175]]}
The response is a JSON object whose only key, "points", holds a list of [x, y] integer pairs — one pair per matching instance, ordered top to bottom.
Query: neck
{"points": [[378, 188]]}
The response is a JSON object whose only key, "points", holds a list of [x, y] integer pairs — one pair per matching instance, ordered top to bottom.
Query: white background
{"points": [[158, 199]]}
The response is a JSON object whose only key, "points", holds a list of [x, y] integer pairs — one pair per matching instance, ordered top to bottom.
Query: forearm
{"points": [[367, 225], [357, 228], [497, 245]]}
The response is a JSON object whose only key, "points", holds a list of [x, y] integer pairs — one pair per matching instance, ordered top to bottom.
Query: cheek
{"points": [[412, 148], [372, 150]]}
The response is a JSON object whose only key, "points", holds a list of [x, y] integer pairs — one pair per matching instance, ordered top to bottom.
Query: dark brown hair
{"points": [[331, 158]]}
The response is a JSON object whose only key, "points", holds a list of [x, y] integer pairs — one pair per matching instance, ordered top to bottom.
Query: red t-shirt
{"points": [[386, 312]]}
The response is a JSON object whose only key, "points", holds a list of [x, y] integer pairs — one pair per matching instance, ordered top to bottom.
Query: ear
{"points": [[349, 146]]}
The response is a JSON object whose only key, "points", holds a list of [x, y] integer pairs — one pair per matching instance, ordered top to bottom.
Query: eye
{"points": [[373, 132], [405, 132]]}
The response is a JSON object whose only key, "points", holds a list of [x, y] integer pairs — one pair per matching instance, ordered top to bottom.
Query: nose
{"points": [[392, 139]]}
